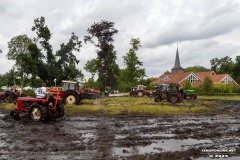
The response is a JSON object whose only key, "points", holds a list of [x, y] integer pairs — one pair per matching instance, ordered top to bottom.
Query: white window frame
{"points": [[166, 78], [192, 79], [226, 80]]}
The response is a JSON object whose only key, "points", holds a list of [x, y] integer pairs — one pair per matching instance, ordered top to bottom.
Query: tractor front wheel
{"points": [[140, 94], [38, 113]]}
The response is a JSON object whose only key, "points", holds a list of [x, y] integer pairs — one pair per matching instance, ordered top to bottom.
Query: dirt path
{"points": [[124, 137]]}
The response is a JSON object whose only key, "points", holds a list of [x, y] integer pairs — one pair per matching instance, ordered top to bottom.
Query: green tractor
{"points": [[189, 93]]}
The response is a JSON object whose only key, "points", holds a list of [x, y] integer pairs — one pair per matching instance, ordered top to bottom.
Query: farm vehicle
{"points": [[139, 91], [72, 92], [169, 92], [189, 93], [10, 96], [39, 109]]}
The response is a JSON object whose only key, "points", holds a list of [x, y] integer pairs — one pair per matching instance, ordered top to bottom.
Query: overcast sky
{"points": [[203, 29]]}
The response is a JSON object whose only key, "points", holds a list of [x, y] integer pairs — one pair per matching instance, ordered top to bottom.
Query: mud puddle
{"points": [[122, 137]]}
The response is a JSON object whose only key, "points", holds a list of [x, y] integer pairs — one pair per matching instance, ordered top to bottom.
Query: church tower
{"points": [[177, 68]]}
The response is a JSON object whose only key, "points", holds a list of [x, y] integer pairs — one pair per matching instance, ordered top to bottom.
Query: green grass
{"points": [[220, 97], [8, 106], [135, 106]]}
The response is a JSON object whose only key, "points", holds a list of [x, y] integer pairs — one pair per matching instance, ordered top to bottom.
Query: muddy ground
{"points": [[125, 137]]}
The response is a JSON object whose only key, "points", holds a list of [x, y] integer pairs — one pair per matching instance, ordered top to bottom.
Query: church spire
{"points": [[177, 68]]}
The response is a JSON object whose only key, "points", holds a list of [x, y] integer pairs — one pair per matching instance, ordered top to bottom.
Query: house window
{"points": [[166, 78], [192, 79], [225, 80]]}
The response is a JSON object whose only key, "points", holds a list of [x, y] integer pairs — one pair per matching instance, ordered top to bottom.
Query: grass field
{"points": [[220, 97], [138, 106]]}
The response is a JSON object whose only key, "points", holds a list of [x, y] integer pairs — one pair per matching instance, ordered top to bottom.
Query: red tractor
{"points": [[139, 91], [72, 92], [39, 109]]}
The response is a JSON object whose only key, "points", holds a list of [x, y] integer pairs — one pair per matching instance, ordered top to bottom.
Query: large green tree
{"points": [[101, 36], [19, 52], [60, 65], [222, 65], [133, 71]]}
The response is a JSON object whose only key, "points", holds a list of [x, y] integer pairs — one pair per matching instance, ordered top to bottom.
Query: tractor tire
{"points": [[140, 94], [163, 96], [8, 97], [71, 98], [173, 98], [157, 99], [60, 110], [38, 113], [15, 115]]}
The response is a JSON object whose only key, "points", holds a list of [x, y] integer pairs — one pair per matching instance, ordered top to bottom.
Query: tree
{"points": [[19, 51], [66, 64], [222, 65], [50, 66], [92, 66], [196, 69], [236, 69], [46, 70], [108, 70], [133, 70], [167, 72], [207, 84], [187, 85]]}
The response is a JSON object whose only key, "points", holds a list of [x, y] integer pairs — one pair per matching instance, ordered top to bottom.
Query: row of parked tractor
{"points": [[52, 106]]}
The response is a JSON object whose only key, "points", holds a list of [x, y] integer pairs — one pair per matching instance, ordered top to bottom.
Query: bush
{"points": [[222, 88], [236, 89], [29, 93]]}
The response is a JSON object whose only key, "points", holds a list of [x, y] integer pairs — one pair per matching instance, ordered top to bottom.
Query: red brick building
{"points": [[178, 76]]}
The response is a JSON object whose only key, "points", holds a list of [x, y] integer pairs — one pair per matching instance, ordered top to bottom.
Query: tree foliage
{"points": [[101, 35], [19, 51], [36, 58], [222, 65], [92, 67], [196, 69], [133, 71], [207, 84], [187, 85]]}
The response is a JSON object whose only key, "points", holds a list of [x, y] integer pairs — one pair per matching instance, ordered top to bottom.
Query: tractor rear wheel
{"points": [[8, 97], [71, 98], [173, 98], [38, 113], [15, 115]]}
